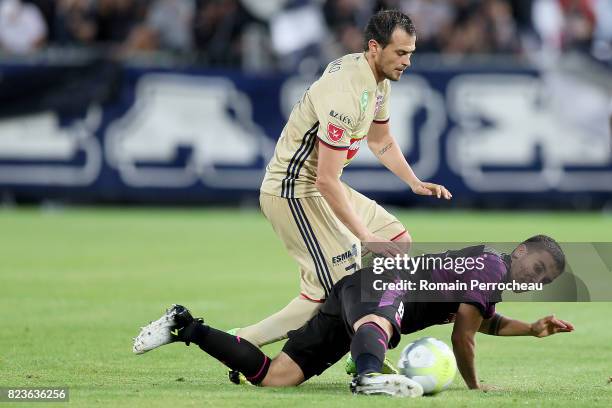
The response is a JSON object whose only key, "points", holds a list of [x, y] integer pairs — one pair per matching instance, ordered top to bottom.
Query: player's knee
{"points": [[379, 321], [251, 335], [283, 372]]}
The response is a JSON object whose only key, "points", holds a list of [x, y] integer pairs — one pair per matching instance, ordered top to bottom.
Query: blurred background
{"points": [[508, 102], [111, 108]]}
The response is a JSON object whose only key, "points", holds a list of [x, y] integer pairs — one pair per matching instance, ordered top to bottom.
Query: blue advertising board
{"points": [[105, 132]]}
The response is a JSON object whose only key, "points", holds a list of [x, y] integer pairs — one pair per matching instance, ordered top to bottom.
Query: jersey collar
{"points": [[366, 72], [508, 262]]}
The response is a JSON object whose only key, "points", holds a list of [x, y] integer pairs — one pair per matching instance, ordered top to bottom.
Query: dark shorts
{"points": [[326, 337]]}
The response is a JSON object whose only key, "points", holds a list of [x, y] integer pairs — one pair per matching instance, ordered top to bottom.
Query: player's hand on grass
{"points": [[431, 189], [550, 325], [488, 387]]}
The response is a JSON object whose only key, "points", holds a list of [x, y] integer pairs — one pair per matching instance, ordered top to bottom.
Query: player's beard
{"points": [[388, 72], [392, 74], [396, 76]]}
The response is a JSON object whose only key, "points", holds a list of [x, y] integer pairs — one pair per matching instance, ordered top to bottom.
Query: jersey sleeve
{"points": [[382, 106], [337, 112], [484, 300], [487, 310]]}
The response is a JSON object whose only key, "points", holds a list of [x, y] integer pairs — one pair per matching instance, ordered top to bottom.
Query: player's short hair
{"points": [[382, 24], [548, 244]]}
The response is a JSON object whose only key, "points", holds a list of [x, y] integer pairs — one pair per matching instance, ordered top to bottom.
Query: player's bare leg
{"points": [[276, 327], [283, 372]]}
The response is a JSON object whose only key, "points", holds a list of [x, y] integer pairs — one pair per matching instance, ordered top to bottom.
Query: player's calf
{"points": [[369, 344], [368, 348]]}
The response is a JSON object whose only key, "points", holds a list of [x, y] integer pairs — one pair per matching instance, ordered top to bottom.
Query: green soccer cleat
{"points": [[351, 368], [237, 378], [394, 385]]}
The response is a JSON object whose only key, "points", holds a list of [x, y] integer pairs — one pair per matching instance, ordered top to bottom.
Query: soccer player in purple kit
{"points": [[367, 321]]}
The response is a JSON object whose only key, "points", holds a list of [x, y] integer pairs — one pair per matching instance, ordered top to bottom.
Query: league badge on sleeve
{"points": [[334, 132]]}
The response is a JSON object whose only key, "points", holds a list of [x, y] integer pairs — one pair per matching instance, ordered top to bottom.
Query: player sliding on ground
{"points": [[321, 220], [365, 321]]}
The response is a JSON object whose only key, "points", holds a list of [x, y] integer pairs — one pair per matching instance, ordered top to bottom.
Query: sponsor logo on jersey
{"points": [[335, 66], [363, 101], [379, 102], [341, 117], [334, 132], [354, 148], [351, 253], [399, 314]]}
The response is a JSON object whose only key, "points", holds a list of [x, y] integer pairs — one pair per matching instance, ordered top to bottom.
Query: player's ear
{"points": [[373, 47], [519, 251]]}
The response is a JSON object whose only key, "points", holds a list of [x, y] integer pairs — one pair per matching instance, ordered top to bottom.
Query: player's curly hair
{"points": [[382, 24], [548, 244]]}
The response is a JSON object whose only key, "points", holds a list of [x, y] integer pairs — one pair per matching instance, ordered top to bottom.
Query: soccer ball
{"points": [[430, 362]]}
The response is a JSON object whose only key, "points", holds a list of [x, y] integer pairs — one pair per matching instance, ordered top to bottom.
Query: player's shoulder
{"points": [[345, 74], [385, 85], [492, 254], [486, 260], [495, 263]]}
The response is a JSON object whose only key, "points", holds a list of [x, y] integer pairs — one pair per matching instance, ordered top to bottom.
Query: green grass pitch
{"points": [[75, 285]]}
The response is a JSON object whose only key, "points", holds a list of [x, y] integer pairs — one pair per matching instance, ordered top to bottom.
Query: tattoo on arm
{"points": [[384, 149], [495, 324]]}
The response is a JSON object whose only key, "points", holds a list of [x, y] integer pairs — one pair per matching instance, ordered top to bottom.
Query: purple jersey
{"points": [[425, 308]]}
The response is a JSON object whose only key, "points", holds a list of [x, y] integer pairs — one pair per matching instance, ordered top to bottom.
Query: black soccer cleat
{"points": [[234, 376]]}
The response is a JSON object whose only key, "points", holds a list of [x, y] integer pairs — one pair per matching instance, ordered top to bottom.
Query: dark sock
{"points": [[368, 348], [233, 351]]}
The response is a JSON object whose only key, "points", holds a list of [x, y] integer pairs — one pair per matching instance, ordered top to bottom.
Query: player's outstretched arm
{"points": [[382, 144], [467, 322], [500, 325], [550, 325]]}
